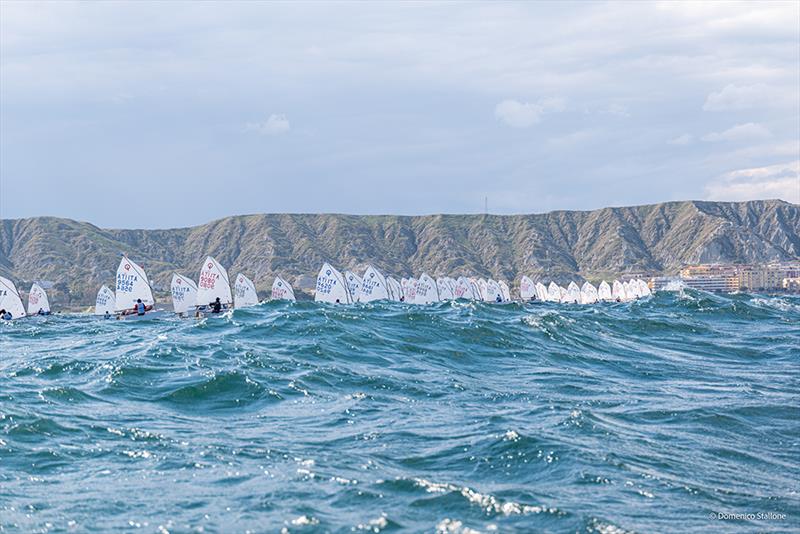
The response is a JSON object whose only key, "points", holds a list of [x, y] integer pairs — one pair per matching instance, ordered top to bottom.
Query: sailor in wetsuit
{"points": [[216, 306]]}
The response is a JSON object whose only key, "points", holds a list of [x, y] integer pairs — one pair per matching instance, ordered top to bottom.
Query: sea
{"points": [[675, 413]]}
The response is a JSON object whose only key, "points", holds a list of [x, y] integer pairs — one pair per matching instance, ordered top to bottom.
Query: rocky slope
{"points": [[78, 257]]}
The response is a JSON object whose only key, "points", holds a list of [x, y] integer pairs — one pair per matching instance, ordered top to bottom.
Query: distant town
{"points": [[729, 278]]}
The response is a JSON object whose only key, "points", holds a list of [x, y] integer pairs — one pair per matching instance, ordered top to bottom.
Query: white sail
{"points": [[213, 283], [353, 283], [132, 285], [331, 286], [373, 286], [483, 288], [395, 289], [409, 289], [444, 289], [463, 289], [476, 289], [527, 289], [644, 289], [282, 290], [506, 290], [493, 291], [604, 291], [618, 291], [630, 291], [244, 292], [426, 292], [541, 292], [553, 292], [184, 293], [573, 293], [588, 293], [564, 294], [9, 299], [37, 300], [105, 301]]}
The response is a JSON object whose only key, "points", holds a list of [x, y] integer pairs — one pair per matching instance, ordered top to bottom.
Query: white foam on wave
{"points": [[487, 502], [373, 525], [453, 526]]}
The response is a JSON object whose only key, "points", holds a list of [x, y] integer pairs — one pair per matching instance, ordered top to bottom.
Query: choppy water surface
{"points": [[647, 416]]}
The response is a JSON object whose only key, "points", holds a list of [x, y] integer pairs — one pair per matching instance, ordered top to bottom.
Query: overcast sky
{"points": [[170, 114]]}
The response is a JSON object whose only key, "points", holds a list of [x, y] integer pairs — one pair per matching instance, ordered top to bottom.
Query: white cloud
{"points": [[737, 97], [524, 114], [274, 125], [740, 132], [681, 140], [774, 181]]}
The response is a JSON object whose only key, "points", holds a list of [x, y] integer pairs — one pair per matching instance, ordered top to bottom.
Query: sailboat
{"points": [[213, 284], [353, 285], [132, 286], [331, 286], [373, 286], [395, 289], [409, 289], [444, 289], [463, 289], [483, 289], [527, 289], [282, 290], [505, 290], [426, 291], [493, 291], [604, 291], [618, 291], [541, 292], [553, 292], [573, 293], [588, 293], [184, 294], [245, 294], [10, 300], [37, 301], [104, 305]]}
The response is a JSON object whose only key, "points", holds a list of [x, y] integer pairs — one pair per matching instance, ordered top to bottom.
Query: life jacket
{"points": [[140, 308]]}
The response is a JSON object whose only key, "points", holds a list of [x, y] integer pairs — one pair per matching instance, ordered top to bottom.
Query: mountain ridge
{"points": [[655, 238]]}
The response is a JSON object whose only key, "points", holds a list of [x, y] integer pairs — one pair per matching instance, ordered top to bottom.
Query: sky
{"points": [[169, 114]]}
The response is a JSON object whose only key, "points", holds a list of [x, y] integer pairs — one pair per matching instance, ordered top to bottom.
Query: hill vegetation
{"points": [[78, 257]]}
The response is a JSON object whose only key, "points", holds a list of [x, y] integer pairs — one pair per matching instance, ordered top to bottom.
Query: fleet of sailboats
{"points": [[213, 293]]}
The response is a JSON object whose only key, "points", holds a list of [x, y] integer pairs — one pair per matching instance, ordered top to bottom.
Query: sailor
{"points": [[402, 298], [498, 298], [337, 301], [216, 306], [140, 307], [41, 312], [5, 315], [107, 315]]}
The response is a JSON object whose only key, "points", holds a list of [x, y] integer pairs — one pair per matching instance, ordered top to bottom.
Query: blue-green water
{"points": [[648, 416]]}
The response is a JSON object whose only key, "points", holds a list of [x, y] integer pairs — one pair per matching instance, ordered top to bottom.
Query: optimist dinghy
{"points": [[353, 283], [212, 284], [132, 286], [331, 286], [374, 286], [395, 289], [444, 289], [527, 289], [282, 290], [426, 290], [604, 291], [244, 292], [541, 292], [588, 293], [184, 294], [10, 300], [37, 301], [104, 305]]}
